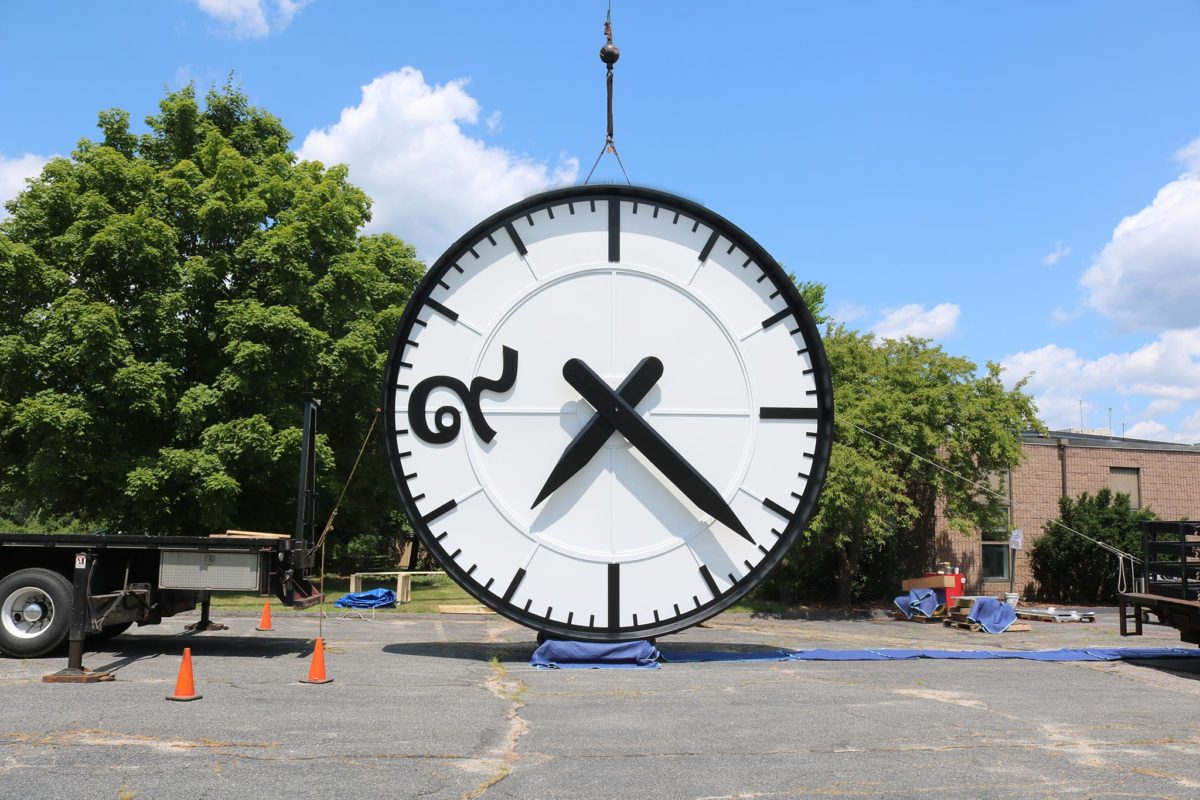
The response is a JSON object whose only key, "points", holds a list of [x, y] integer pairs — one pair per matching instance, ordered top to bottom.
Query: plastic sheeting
{"points": [[375, 598], [918, 601], [992, 615], [569, 654], [895, 654]]}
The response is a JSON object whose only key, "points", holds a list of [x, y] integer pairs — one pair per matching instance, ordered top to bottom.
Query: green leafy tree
{"points": [[167, 299], [907, 415], [1069, 568]]}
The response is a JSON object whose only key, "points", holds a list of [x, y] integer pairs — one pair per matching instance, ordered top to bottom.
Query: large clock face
{"points": [[608, 412]]}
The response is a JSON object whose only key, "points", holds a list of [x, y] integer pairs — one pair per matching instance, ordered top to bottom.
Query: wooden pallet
{"points": [[1045, 616], [916, 617], [975, 627]]}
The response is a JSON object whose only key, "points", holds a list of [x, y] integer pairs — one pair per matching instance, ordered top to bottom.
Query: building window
{"points": [[1124, 480], [994, 560]]}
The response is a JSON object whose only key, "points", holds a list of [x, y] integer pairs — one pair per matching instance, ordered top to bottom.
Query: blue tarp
{"points": [[375, 598], [918, 601], [992, 615], [567, 654], [896, 654]]}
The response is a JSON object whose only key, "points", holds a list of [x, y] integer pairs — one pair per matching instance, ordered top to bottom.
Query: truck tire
{"points": [[35, 612]]}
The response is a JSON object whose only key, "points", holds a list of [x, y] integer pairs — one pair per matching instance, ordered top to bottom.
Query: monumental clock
{"points": [[608, 412]]}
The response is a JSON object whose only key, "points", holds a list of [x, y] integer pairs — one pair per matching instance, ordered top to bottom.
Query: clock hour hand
{"points": [[621, 415], [597, 430]]}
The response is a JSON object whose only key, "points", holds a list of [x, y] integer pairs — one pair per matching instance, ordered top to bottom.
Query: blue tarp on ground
{"points": [[375, 598], [918, 601], [992, 615], [567, 654], [897, 654]]}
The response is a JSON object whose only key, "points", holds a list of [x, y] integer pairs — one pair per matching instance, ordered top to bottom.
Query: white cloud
{"points": [[252, 19], [407, 148], [1189, 155], [14, 171], [1059, 252], [1148, 275], [848, 312], [1061, 315], [915, 320], [1165, 371], [1162, 406], [1148, 429]]}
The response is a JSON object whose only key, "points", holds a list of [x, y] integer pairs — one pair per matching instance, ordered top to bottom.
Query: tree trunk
{"points": [[848, 557]]}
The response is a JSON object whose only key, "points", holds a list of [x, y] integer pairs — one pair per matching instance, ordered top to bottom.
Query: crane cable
{"points": [[609, 54], [320, 543], [1121, 555]]}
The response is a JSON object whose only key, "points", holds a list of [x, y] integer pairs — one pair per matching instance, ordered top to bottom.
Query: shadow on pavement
{"points": [[139, 648], [467, 651], [1181, 667]]}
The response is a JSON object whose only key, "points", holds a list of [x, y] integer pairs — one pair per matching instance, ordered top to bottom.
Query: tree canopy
{"points": [[168, 298], [914, 428], [1069, 568]]}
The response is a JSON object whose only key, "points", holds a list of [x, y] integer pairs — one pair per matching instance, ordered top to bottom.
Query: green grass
{"points": [[428, 592]]}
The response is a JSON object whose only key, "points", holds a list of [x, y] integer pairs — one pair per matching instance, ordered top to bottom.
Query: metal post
{"points": [[303, 538], [80, 611], [205, 623]]}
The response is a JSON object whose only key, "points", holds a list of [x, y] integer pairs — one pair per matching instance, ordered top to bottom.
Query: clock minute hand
{"points": [[595, 433], [657, 450]]}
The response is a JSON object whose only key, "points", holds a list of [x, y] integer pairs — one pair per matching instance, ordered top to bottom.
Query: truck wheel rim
{"points": [[27, 613]]}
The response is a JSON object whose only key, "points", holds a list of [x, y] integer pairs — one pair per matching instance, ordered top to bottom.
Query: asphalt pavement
{"points": [[446, 706]]}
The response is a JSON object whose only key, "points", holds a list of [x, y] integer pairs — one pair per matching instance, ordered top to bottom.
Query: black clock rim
{"points": [[817, 357]]}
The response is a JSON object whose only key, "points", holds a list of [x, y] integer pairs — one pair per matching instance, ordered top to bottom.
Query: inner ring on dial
{"points": [[515, 509]]}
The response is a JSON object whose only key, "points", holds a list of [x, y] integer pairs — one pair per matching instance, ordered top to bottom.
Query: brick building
{"points": [[1162, 476]]}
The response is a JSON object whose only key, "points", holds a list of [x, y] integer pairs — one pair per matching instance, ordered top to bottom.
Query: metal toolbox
{"points": [[212, 569]]}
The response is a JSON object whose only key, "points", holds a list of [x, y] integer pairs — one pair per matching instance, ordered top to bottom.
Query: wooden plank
{"points": [[249, 535], [928, 582], [464, 610]]}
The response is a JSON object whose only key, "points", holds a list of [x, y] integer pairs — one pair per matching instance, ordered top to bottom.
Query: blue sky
{"points": [[1019, 181]]}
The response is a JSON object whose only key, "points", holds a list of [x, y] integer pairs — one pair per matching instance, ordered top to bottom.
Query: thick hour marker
{"points": [[614, 229], [512, 233], [708, 246], [441, 309], [771, 320], [786, 412], [449, 505], [778, 509], [708, 579], [512, 587], [614, 595], [677, 611], [570, 614]]}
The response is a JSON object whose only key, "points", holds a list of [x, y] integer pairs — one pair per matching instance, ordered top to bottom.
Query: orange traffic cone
{"points": [[264, 622], [316, 670], [185, 688]]}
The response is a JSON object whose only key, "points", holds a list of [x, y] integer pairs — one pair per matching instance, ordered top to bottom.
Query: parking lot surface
{"points": [[446, 706]]}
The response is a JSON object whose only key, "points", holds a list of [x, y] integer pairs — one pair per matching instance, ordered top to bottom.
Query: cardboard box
{"points": [[930, 582]]}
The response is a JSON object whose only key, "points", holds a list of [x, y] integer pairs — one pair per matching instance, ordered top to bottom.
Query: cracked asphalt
{"points": [[447, 707]]}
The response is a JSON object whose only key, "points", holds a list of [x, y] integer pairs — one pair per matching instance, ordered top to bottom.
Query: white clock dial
{"points": [[608, 412]]}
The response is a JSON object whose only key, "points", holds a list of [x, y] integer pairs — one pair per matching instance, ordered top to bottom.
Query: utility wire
{"points": [[1121, 555]]}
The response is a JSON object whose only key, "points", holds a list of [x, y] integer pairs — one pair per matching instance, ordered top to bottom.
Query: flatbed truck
{"points": [[1169, 584], [57, 588]]}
